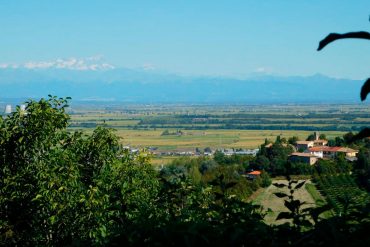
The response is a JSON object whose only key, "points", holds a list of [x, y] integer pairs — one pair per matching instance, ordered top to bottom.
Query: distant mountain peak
{"points": [[90, 63], [92, 79]]}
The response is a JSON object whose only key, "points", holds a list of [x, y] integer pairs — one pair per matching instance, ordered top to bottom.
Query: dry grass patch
{"points": [[273, 205]]}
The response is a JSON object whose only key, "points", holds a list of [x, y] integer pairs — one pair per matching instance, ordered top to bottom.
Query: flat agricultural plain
{"points": [[185, 127], [208, 138]]}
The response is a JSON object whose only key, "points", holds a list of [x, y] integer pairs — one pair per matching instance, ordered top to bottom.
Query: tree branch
{"points": [[335, 36], [365, 89]]}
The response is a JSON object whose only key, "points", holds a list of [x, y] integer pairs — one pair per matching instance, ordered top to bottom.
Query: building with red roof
{"points": [[331, 152], [253, 174]]}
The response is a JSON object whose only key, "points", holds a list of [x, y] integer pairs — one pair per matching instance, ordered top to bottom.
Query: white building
{"points": [[8, 109]]}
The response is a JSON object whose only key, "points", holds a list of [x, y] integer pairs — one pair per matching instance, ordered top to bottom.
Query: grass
{"points": [[208, 138], [158, 161], [318, 198], [273, 205]]}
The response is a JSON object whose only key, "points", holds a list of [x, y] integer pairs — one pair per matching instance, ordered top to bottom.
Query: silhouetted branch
{"points": [[335, 36], [365, 89], [361, 135]]}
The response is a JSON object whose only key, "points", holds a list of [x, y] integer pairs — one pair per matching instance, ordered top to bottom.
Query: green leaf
{"points": [[279, 185], [299, 185], [280, 195], [37, 197], [289, 205], [293, 205], [315, 212], [284, 215], [52, 219], [305, 223], [103, 231]]}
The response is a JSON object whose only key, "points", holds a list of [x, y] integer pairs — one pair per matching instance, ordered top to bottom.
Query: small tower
{"points": [[316, 134]]}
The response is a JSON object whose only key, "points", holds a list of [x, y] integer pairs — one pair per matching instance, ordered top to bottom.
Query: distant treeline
{"points": [[346, 116], [253, 118], [244, 121], [328, 121], [84, 125], [226, 126], [256, 127]]}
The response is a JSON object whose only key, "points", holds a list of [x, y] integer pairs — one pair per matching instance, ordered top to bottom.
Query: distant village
{"points": [[197, 152]]}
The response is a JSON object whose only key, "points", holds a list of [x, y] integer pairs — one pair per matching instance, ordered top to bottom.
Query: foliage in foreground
{"points": [[57, 186], [67, 188]]}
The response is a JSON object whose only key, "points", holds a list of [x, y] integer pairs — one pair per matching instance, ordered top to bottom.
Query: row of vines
{"points": [[341, 191]]}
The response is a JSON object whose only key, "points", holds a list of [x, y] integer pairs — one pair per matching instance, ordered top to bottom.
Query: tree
{"points": [[322, 137], [348, 137], [310, 138], [278, 139], [293, 140], [339, 141], [219, 157], [363, 161], [262, 163], [207, 164], [194, 173], [265, 179], [58, 186]]}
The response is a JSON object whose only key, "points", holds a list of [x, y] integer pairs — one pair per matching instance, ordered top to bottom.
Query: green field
{"points": [[218, 126], [210, 138]]}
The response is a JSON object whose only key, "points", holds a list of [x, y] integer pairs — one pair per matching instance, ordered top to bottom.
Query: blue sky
{"points": [[227, 38]]}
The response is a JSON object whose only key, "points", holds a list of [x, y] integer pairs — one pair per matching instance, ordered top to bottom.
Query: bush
{"points": [[265, 180]]}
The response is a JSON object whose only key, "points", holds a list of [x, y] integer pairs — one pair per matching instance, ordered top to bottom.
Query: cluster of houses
{"points": [[232, 151], [312, 151], [209, 152], [227, 152]]}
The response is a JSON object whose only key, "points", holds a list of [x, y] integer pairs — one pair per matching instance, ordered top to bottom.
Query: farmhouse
{"points": [[317, 142], [331, 152], [304, 158]]}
